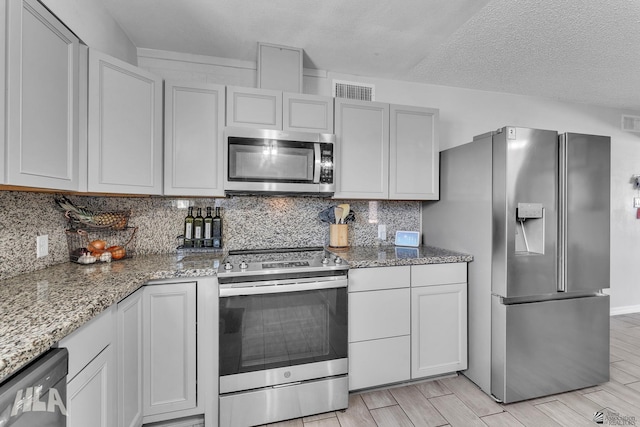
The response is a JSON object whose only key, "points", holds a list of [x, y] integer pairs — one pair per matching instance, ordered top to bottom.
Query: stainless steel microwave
{"points": [[259, 161]]}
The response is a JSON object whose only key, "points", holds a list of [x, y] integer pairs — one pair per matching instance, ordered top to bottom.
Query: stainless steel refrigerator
{"points": [[532, 207]]}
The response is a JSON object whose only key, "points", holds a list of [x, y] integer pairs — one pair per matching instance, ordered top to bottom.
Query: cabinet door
{"points": [[3, 99], [42, 99], [254, 108], [307, 113], [194, 123], [125, 127], [362, 145], [414, 154], [379, 314], [438, 329], [169, 353], [129, 361], [379, 362], [90, 400]]}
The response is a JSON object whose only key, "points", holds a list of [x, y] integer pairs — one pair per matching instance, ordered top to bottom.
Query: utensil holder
{"points": [[338, 235]]}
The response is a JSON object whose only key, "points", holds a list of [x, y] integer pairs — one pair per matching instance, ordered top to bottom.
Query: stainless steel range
{"points": [[283, 335]]}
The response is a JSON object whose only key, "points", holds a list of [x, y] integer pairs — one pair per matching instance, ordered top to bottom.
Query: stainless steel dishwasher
{"points": [[37, 394]]}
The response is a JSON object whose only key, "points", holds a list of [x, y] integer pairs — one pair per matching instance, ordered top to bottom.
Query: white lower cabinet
{"points": [[438, 319], [406, 322], [379, 326], [169, 353], [129, 357], [91, 379]]}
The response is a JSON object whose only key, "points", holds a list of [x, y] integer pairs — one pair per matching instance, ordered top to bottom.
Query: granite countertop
{"points": [[387, 256], [39, 309]]}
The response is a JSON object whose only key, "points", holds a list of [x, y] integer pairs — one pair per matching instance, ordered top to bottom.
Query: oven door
{"points": [[275, 334]]}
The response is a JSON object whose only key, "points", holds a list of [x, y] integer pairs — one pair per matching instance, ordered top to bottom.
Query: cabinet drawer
{"points": [[438, 274], [368, 279], [379, 314], [88, 341], [378, 362]]}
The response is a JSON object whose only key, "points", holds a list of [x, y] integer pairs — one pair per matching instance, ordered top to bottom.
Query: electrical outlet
{"points": [[636, 202], [382, 231], [42, 245]]}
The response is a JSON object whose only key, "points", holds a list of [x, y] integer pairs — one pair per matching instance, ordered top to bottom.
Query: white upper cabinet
{"points": [[42, 99], [254, 108], [307, 113], [124, 127], [193, 139], [362, 147], [386, 151], [414, 153]]}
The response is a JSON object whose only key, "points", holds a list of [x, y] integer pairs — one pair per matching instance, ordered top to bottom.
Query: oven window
{"points": [[260, 160], [259, 332]]}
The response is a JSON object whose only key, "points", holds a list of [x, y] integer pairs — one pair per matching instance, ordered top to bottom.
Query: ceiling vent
{"points": [[353, 90], [631, 123]]}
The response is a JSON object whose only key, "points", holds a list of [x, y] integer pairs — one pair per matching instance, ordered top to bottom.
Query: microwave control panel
{"points": [[326, 162]]}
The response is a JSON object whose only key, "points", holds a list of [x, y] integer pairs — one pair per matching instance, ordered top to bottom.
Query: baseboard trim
{"points": [[625, 310]]}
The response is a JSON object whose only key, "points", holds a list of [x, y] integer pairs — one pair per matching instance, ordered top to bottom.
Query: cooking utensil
{"points": [[345, 211], [337, 212], [351, 217]]}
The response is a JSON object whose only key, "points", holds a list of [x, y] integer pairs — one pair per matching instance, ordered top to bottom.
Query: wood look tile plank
{"points": [[635, 320], [619, 323], [625, 335], [625, 342], [627, 356], [628, 367], [623, 377], [634, 385], [433, 388], [623, 392], [378, 399], [608, 400], [479, 402], [579, 404], [417, 407], [455, 411], [356, 415], [529, 415], [564, 415], [391, 416], [318, 417], [503, 419], [325, 422]]}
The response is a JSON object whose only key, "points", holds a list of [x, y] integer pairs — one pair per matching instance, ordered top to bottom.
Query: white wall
{"points": [[90, 21], [465, 113]]}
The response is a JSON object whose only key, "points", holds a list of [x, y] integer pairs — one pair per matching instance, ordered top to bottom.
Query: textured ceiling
{"points": [[586, 51]]}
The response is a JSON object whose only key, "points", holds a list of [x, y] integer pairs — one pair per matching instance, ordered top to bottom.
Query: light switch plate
{"points": [[636, 202], [408, 238]]}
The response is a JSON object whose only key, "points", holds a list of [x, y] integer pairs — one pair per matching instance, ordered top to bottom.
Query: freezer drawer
{"points": [[548, 347]]}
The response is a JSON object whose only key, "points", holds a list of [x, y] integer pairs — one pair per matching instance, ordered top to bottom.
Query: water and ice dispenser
{"points": [[530, 229]]}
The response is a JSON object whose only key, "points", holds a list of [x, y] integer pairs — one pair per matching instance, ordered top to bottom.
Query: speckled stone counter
{"points": [[387, 256], [39, 309]]}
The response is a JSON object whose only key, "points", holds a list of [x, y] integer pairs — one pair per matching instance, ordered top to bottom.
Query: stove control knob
{"points": [[338, 260], [325, 261], [243, 265], [228, 266]]}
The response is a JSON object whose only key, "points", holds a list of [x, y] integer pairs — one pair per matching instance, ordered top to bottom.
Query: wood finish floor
{"points": [[456, 401]]}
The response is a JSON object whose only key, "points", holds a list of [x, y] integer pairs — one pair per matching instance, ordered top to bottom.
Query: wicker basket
{"points": [[79, 239]]}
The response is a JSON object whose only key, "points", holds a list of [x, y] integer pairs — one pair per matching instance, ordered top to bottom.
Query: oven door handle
{"points": [[276, 287]]}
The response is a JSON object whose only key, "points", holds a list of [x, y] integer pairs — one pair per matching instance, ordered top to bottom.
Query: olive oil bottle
{"points": [[198, 226], [208, 228], [188, 229], [217, 229]]}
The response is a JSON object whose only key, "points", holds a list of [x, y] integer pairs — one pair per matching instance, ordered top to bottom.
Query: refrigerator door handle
{"points": [[562, 218]]}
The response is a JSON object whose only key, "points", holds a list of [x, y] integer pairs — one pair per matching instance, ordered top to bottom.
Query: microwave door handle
{"points": [[317, 163]]}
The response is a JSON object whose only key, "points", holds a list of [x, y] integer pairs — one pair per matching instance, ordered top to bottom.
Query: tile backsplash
{"points": [[248, 223]]}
